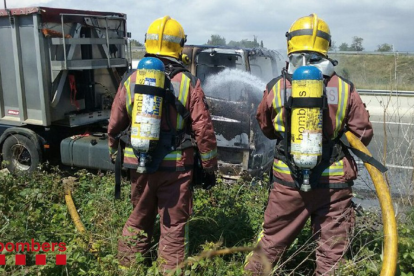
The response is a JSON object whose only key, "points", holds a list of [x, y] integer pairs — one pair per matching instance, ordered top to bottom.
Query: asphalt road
{"points": [[395, 137]]}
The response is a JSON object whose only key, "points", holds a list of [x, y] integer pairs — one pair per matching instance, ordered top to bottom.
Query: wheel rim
{"points": [[21, 158]]}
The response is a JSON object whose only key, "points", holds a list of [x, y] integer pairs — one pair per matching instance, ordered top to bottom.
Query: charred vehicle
{"points": [[233, 80]]}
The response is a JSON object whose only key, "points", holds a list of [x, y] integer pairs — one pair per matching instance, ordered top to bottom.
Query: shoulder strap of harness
{"points": [[175, 68], [171, 71], [127, 75], [272, 83], [351, 84]]}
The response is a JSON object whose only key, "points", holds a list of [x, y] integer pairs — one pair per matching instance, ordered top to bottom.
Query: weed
{"points": [[222, 229]]}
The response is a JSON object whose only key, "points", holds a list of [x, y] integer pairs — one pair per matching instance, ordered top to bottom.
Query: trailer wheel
{"points": [[21, 154]]}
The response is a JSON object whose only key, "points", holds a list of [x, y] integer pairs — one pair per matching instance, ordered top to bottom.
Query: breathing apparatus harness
{"points": [[170, 140], [283, 147], [332, 151]]}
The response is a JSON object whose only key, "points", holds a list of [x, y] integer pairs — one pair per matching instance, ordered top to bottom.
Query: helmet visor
{"points": [[301, 59], [297, 60]]}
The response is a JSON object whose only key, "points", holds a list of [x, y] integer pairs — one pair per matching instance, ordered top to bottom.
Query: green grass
{"points": [[378, 72], [229, 216]]}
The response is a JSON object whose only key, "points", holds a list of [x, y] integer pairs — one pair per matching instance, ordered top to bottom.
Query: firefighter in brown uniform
{"points": [[166, 191], [328, 203]]}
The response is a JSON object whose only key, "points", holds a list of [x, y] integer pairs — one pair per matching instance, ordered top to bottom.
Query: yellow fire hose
{"points": [[73, 213], [388, 218], [76, 219]]}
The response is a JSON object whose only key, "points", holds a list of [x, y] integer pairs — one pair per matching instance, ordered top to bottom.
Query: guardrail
{"points": [[369, 53], [385, 93]]}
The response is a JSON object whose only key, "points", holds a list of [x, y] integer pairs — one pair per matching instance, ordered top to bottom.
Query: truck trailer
{"points": [[59, 72]]}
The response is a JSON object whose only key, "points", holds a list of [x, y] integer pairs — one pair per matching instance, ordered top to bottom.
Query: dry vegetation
{"points": [[380, 72]]}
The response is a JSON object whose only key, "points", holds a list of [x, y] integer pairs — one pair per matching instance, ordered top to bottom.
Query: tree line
{"points": [[217, 40], [356, 45]]}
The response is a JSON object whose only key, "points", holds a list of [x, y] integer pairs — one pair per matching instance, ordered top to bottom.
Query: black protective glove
{"points": [[206, 178], [209, 180]]}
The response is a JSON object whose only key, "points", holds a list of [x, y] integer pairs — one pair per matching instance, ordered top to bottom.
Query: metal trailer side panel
{"points": [[36, 67], [22, 81], [9, 103]]}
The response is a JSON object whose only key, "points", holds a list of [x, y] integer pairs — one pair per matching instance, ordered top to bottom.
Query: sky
{"points": [[376, 21]]}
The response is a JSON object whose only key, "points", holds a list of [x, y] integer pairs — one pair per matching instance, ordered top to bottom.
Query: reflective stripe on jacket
{"points": [[345, 110], [336, 169]]}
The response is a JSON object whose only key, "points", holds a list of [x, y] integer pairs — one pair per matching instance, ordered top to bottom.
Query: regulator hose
{"points": [[388, 217]]}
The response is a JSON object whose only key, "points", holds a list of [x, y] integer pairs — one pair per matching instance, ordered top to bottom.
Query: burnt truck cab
{"points": [[233, 80]]}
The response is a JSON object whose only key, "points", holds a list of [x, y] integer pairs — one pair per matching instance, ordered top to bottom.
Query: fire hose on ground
{"points": [[73, 213], [388, 217], [77, 220]]}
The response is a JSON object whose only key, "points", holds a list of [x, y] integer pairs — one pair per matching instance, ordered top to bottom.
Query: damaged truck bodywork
{"points": [[233, 80]]}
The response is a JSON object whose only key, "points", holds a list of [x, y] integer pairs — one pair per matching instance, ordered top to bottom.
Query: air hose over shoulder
{"points": [[388, 217]]}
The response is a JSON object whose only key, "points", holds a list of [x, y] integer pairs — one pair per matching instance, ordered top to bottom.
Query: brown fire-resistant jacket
{"points": [[191, 95], [346, 111]]}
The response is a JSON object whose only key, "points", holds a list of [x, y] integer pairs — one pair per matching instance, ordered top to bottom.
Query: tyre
{"points": [[21, 154]]}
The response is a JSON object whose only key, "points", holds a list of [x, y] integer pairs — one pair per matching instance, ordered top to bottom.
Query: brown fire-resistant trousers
{"points": [[169, 195], [332, 220]]}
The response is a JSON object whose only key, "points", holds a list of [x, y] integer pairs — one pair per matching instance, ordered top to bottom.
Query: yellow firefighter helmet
{"points": [[309, 33], [165, 36]]}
